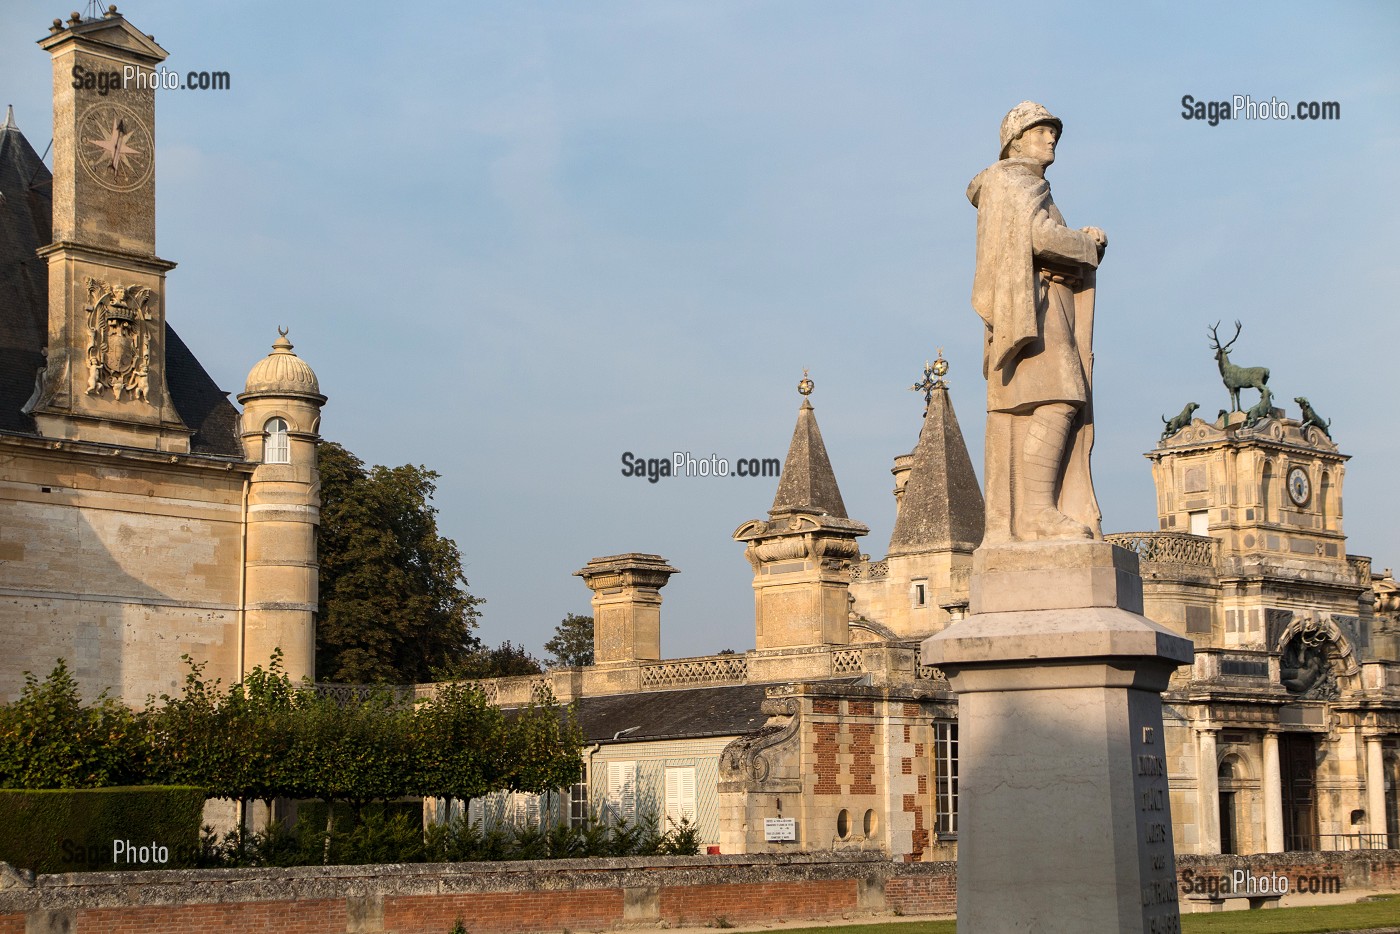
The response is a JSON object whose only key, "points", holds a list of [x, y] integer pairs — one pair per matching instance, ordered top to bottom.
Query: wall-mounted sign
{"points": [[779, 829]]}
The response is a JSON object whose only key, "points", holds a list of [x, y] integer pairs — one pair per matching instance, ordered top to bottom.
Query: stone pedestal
{"points": [[1064, 822]]}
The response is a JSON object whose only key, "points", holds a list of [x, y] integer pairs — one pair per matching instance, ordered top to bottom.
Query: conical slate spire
{"points": [[9, 123], [808, 483], [942, 508]]}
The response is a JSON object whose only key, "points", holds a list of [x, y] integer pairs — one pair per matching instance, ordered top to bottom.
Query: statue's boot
{"points": [[1042, 459]]}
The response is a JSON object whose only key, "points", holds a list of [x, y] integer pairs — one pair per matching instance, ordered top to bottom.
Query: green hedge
{"points": [[101, 829]]}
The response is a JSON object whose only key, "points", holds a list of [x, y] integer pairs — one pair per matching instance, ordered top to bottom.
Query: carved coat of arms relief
{"points": [[119, 320]]}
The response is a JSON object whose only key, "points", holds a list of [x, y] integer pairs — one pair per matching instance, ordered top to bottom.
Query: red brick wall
{"points": [[862, 758], [827, 767], [929, 893], [701, 904], [505, 912], [300, 917]]}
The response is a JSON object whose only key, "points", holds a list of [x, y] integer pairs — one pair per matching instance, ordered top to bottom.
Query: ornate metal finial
{"points": [[281, 330], [281, 345], [928, 384], [806, 385]]}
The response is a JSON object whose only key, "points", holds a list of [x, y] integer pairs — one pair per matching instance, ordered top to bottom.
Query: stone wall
{"points": [[119, 562], [553, 895], [489, 897]]}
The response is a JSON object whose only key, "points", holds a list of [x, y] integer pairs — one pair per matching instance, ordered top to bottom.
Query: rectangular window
{"points": [[1200, 522], [920, 593], [945, 777], [622, 791], [680, 795], [578, 805]]}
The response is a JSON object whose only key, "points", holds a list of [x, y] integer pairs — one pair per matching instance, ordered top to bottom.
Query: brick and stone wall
{"points": [[489, 897], [502, 898]]}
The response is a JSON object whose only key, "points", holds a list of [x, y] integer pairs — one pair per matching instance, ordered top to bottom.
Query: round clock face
{"points": [[115, 147], [1299, 487]]}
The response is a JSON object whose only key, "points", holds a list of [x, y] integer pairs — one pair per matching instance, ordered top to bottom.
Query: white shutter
{"points": [[622, 790], [680, 795]]}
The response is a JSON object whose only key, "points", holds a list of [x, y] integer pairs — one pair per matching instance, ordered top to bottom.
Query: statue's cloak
{"points": [[1007, 197]]}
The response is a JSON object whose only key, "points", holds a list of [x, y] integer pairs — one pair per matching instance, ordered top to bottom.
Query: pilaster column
{"points": [[1375, 785], [1208, 786], [1273, 795]]}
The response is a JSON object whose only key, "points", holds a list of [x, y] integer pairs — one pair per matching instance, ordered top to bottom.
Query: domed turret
{"points": [[282, 373], [281, 423]]}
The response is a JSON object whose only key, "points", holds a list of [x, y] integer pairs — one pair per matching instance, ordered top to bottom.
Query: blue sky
{"points": [[518, 239]]}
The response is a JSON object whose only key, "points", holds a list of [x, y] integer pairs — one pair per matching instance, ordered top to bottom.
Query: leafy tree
{"points": [[393, 601], [573, 641], [503, 661], [458, 737], [48, 739], [543, 748], [354, 751]]}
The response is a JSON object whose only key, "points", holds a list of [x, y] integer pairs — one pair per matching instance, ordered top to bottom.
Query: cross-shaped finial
{"points": [[928, 384]]}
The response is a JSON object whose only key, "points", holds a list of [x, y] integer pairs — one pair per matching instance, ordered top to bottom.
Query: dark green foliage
{"points": [[394, 607], [573, 641], [504, 661], [265, 738], [48, 739], [541, 749], [73, 830], [683, 839]]}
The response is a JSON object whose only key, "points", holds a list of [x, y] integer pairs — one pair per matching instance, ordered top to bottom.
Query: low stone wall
{"points": [[1302, 873], [594, 894], [550, 895]]}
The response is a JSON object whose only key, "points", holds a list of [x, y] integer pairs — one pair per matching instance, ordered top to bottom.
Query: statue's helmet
{"points": [[1021, 118]]}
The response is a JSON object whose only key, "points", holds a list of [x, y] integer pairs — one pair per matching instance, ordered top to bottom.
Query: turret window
{"points": [[276, 448]]}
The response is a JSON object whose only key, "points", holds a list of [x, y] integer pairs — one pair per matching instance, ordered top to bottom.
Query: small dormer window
{"points": [[276, 448]]}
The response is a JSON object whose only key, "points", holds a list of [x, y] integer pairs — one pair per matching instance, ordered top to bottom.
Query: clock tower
{"points": [[104, 378], [1270, 494]]}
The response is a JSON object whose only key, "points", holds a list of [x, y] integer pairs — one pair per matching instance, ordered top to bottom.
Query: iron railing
{"points": [[1341, 842]]}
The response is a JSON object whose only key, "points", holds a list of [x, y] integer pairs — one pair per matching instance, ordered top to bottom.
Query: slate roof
{"points": [[26, 219], [808, 481], [942, 507], [688, 713], [683, 714]]}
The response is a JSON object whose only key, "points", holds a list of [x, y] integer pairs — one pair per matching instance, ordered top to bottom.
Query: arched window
{"points": [[276, 449]]}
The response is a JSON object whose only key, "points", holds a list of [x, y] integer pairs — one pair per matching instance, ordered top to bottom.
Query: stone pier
{"points": [[1064, 821]]}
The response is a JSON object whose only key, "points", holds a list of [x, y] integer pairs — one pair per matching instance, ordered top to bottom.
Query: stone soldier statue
{"points": [[1034, 289]]}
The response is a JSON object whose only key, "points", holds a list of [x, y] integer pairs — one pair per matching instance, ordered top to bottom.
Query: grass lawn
{"points": [[1381, 913]]}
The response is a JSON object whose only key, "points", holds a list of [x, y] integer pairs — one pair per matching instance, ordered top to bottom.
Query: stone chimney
{"points": [[626, 606]]}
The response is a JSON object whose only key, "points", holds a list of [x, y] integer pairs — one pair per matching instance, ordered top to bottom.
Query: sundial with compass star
{"points": [[115, 147]]}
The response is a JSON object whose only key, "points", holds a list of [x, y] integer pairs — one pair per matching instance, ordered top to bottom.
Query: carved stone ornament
{"points": [[119, 320]]}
